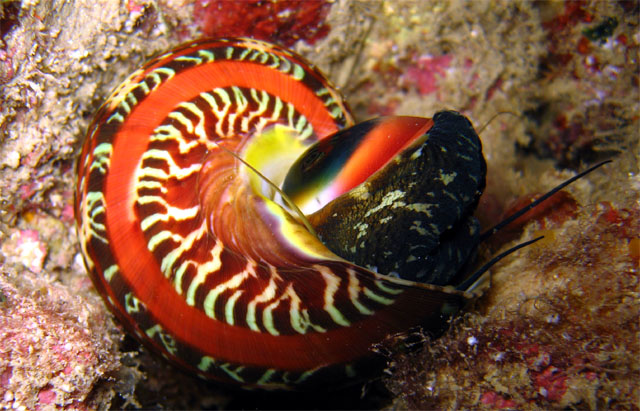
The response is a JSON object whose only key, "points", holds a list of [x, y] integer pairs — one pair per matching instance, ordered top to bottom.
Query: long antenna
{"points": [[481, 129], [533, 204], [469, 281], [466, 284]]}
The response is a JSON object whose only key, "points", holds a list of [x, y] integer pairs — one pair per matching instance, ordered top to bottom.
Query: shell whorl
{"points": [[198, 265]]}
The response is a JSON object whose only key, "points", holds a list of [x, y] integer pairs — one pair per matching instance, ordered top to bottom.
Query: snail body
{"points": [[410, 213], [192, 252]]}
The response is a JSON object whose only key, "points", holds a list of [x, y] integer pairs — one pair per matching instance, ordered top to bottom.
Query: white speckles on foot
{"points": [[447, 178], [361, 192], [388, 200], [421, 208], [417, 226], [362, 229], [411, 258]]}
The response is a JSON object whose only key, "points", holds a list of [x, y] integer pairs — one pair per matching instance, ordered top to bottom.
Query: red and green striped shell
{"points": [[187, 246]]}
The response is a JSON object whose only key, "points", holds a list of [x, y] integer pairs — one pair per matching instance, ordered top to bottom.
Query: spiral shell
{"points": [[190, 251]]}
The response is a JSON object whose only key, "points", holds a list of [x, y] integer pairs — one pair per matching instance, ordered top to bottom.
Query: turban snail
{"points": [[188, 237]]}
